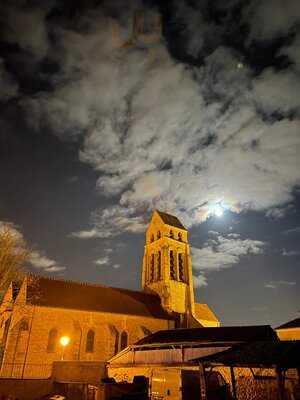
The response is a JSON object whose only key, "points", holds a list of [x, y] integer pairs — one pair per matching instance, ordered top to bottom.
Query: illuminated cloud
{"points": [[170, 136], [278, 213], [292, 231], [224, 252], [290, 253], [37, 259], [102, 261], [199, 281], [276, 284]]}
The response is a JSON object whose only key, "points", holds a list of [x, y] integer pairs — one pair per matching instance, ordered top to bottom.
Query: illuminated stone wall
{"points": [[288, 334], [26, 353]]}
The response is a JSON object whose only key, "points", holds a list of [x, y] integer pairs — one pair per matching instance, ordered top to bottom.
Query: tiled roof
{"points": [[170, 220], [83, 296], [204, 312], [295, 323], [222, 334], [262, 353]]}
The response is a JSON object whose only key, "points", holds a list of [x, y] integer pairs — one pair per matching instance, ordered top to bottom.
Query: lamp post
{"points": [[64, 341]]}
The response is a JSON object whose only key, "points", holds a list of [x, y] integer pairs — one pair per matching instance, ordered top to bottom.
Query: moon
{"points": [[217, 210]]}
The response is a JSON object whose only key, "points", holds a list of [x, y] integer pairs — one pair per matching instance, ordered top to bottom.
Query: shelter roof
{"points": [[170, 220], [51, 292], [295, 323], [210, 335], [284, 354]]}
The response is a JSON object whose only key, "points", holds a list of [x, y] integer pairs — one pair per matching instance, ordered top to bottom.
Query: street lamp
{"points": [[64, 341]]}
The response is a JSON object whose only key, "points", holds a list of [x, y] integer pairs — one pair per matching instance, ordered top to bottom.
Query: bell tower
{"points": [[167, 267]]}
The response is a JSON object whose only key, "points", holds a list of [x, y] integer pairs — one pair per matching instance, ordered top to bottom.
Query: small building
{"points": [[290, 330], [174, 349], [268, 370]]}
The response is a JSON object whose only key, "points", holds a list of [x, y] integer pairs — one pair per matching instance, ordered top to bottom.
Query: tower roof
{"points": [[170, 220]]}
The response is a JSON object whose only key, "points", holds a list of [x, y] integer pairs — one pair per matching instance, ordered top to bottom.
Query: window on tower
{"points": [[171, 234], [158, 235], [180, 237], [152, 238], [172, 265], [159, 266], [152, 267], [180, 267]]}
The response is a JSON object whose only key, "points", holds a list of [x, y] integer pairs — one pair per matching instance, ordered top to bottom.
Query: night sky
{"points": [[99, 127]]}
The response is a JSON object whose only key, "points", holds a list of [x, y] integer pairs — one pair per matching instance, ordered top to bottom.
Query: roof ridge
{"points": [[84, 283], [290, 324]]}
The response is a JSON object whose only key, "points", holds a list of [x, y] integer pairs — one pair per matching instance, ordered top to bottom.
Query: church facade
{"points": [[99, 320]]}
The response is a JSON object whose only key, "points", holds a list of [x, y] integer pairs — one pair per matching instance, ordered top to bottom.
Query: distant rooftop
{"points": [[171, 220], [295, 323], [218, 334]]}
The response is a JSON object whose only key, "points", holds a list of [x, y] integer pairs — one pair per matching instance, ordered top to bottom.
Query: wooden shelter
{"points": [[275, 360]]}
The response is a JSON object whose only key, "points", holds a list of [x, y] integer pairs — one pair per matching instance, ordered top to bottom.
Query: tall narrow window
{"points": [[171, 234], [158, 235], [180, 237], [152, 238], [172, 265], [152, 266], [159, 266], [180, 267], [24, 326], [117, 337], [90, 339], [52, 340], [124, 340]]}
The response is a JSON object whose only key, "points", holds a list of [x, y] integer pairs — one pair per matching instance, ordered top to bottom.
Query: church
{"points": [[99, 321]]}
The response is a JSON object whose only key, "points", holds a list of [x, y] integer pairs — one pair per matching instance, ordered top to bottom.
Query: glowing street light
{"points": [[64, 341]]}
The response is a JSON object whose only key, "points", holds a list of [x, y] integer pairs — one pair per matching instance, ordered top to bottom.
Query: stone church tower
{"points": [[167, 267]]}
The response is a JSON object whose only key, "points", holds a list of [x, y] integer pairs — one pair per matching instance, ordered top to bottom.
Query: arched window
{"points": [[171, 234], [158, 235], [179, 236], [152, 238], [172, 265], [152, 266], [159, 266], [180, 267], [24, 326], [90, 339], [52, 340], [124, 340], [116, 347]]}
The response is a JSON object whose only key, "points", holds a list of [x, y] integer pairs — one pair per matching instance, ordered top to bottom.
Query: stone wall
{"points": [[288, 334], [26, 353], [79, 371], [25, 389]]}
